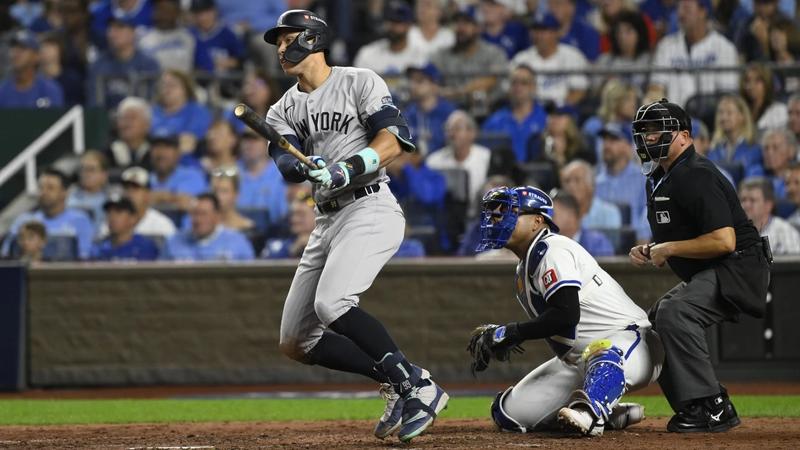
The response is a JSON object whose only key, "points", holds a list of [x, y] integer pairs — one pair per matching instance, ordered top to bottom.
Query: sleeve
{"points": [[376, 108], [277, 120], [708, 204], [558, 268]]}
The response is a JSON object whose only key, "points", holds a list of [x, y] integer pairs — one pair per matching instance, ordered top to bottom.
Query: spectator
{"points": [[608, 11], [25, 12], [139, 13], [663, 14], [247, 15], [50, 20], [500, 29], [574, 30], [428, 33], [753, 39], [78, 43], [172, 45], [696, 45], [224, 47], [784, 48], [630, 49], [393, 54], [548, 54], [471, 67], [116, 72], [70, 81], [24, 87], [756, 88], [259, 91], [618, 104], [427, 111], [177, 112], [794, 115], [524, 117], [701, 137], [733, 139], [221, 142], [561, 142], [131, 147], [779, 149], [463, 153], [619, 178], [578, 179], [412, 181], [172, 185], [225, 185], [262, 186], [92, 189], [793, 192], [758, 201], [54, 214], [567, 216], [149, 221], [301, 224], [31, 240], [208, 240], [123, 243]]}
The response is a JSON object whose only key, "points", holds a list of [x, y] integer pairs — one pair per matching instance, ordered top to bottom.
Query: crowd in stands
{"points": [[495, 92]]}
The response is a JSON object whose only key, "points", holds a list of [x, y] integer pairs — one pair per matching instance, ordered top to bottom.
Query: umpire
{"points": [[701, 231]]}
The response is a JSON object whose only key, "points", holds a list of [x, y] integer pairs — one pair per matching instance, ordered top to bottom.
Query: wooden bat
{"points": [[260, 126]]}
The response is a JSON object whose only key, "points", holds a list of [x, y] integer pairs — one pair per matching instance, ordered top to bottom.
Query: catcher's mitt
{"points": [[492, 341]]}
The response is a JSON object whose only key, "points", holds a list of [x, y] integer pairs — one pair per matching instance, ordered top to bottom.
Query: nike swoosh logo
{"points": [[286, 110], [715, 417]]}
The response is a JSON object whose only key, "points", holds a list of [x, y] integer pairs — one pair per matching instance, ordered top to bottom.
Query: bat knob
{"points": [[239, 110]]}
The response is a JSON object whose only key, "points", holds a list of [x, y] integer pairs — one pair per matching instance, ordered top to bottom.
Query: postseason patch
{"points": [[387, 100], [549, 278]]}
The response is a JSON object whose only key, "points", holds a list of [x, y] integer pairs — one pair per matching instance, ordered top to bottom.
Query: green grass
{"points": [[56, 412]]}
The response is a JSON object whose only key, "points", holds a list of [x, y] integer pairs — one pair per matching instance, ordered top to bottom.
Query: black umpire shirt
{"points": [[693, 198]]}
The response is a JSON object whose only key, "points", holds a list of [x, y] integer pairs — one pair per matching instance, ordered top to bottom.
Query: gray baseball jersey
{"points": [[331, 121], [361, 237]]}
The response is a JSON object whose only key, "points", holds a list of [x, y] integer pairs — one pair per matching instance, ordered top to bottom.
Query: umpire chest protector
{"points": [[692, 199]]}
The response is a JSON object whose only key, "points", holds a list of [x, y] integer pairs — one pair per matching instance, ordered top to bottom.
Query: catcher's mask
{"points": [[313, 35], [661, 118], [502, 206]]}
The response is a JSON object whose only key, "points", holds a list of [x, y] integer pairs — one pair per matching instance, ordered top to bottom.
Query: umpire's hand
{"points": [[640, 255]]}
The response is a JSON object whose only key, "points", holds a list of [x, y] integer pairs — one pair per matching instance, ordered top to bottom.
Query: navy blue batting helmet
{"points": [[313, 37], [501, 207]]}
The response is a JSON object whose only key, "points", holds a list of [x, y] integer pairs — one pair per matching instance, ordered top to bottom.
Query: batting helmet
{"points": [[313, 35], [662, 118], [501, 207]]}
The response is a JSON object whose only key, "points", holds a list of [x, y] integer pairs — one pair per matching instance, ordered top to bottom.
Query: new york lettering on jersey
{"points": [[322, 122]]}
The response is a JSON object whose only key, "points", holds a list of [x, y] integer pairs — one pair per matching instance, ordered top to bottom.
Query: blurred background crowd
{"points": [[497, 92]]}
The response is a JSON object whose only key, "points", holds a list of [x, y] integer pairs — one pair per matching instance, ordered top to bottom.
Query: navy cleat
{"points": [[421, 406], [392, 417]]}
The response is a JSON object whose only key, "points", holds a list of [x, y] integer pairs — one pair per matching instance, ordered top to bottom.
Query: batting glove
{"points": [[313, 175], [332, 177]]}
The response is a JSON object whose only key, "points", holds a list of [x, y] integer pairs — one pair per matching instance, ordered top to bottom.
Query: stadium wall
{"points": [[105, 325]]}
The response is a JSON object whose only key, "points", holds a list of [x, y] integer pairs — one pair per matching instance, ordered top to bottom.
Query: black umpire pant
{"points": [[680, 318]]}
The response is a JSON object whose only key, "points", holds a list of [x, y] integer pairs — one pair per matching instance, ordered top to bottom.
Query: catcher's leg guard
{"points": [[604, 383], [503, 421]]}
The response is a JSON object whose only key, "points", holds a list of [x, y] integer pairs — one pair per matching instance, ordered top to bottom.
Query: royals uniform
{"points": [[359, 227], [554, 261]]}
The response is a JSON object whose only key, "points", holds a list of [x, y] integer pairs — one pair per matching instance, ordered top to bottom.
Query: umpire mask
{"points": [[653, 129]]}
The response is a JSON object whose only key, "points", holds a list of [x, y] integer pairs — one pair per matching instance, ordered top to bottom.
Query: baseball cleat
{"points": [[421, 407], [625, 415], [710, 415], [392, 417], [580, 421]]}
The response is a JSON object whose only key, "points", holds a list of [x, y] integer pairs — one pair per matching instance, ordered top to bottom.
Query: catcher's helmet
{"points": [[313, 35], [660, 117], [501, 207]]}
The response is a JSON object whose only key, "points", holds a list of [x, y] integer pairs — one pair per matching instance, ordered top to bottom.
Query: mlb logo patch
{"points": [[662, 217], [549, 278]]}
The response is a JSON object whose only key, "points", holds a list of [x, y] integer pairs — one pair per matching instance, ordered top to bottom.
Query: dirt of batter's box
{"points": [[762, 433]]}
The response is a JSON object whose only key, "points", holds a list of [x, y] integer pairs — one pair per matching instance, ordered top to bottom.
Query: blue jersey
{"points": [[141, 16], [584, 37], [513, 39], [220, 42], [116, 74], [44, 93], [192, 118], [503, 121], [428, 127], [749, 155], [183, 180], [626, 187], [266, 190], [71, 222], [596, 243], [222, 245], [139, 248], [277, 248]]}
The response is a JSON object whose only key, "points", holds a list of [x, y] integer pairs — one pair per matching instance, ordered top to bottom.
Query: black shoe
{"points": [[707, 415]]}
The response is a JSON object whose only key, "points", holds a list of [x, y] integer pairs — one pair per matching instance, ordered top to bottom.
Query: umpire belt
{"points": [[333, 205]]}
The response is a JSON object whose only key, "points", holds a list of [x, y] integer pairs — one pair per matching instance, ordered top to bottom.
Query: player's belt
{"points": [[340, 202]]}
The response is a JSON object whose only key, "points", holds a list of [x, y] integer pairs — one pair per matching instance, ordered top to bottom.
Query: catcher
{"points": [[602, 341]]}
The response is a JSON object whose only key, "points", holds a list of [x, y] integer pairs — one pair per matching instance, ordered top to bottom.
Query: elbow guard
{"points": [[392, 119]]}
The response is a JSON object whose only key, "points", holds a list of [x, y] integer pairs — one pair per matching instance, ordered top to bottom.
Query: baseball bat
{"points": [[260, 126]]}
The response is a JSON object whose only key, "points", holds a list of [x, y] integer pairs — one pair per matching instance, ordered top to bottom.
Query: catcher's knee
{"points": [[604, 383], [501, 418]]}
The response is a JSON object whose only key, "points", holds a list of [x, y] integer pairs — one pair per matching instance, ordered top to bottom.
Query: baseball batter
{"points": [[345, 120], [602, 341]]}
